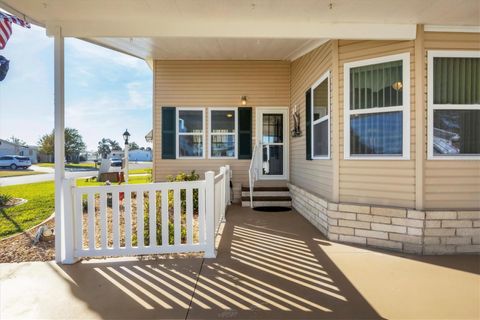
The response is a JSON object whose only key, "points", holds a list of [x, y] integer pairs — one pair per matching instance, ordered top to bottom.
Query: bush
{"points": [[182, 176], [5, 199]]}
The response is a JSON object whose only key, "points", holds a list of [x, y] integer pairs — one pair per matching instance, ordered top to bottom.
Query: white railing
{"points": [[253, 173], [138, 219]]}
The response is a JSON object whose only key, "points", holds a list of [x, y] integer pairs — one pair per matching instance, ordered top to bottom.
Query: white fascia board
{"points": [[445, 28], [235, 29]]}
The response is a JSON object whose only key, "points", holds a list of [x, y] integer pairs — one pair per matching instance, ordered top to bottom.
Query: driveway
{"points": [[49, 176], [43, 177], [269, 266]]}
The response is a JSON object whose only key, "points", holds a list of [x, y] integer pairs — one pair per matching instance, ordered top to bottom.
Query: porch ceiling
{"points": [[257, 29]]}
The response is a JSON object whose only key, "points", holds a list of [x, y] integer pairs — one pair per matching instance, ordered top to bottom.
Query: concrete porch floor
{"points": [[269, 266]]}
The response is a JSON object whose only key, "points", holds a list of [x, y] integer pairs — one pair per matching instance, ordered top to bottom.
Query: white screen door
{"points": [[272, 133]]}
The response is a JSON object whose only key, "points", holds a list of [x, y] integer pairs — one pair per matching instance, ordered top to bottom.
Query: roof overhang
{"points": [[262, 29]]}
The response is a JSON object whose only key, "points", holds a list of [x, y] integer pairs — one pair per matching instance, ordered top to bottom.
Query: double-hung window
{"points": [[453, 105], [377, 108], [321, 118], [191, 133], [223, 133]]}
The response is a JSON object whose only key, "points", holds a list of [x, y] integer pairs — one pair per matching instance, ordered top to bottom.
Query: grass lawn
{"points": [[46, 164], [82, 165], [140, 171], [16, 173], [82, 182], [40, 206]]}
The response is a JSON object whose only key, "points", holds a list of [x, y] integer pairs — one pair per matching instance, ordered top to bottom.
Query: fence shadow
{"points": [[268, 267]]}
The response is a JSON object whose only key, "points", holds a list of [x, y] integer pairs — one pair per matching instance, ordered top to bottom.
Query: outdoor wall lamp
{"points": [[397, 85], [244, 100], [126, 135]]}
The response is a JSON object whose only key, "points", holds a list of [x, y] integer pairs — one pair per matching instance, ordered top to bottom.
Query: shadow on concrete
{"points": [[268, 267], [135, 289]]}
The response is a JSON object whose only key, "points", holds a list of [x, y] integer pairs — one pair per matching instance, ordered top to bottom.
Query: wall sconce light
{"points": [[397, 85], [244, 100], [296, 131]]}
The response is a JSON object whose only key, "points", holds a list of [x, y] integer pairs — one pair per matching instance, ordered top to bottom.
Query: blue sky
{"points": [[105, 91]]}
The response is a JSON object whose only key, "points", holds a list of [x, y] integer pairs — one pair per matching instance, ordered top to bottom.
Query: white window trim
{"points": [[405, 57], [325, 76], [431, 106], [178, 109], [210, 134]]}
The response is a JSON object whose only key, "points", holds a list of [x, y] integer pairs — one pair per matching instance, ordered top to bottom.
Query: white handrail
{"points": [[252, 173]]}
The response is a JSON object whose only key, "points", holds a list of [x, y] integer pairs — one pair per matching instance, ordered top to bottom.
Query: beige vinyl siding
{"points": [[215, 84], [315, 176], [381, 182], [451, 184]]}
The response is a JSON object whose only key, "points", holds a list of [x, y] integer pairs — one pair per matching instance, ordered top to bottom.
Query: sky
{"points": [[106, 91]]}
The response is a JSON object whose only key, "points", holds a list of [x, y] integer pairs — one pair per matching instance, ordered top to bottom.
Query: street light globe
{"points": [[126, 135]]}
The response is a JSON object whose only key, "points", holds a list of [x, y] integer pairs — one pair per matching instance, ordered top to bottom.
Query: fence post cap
{"points": [[209, 175]]}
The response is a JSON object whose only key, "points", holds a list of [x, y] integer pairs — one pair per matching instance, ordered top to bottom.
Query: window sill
{"points": [[189, 158], [222, 158], [376, 158], [454, 158]]}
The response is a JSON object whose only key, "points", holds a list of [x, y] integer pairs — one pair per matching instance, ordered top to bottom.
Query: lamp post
{"points": [[126, 135]]}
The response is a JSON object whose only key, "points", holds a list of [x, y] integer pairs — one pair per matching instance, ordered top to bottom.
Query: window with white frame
{"points": [[454, 105], [377, 108], [321, 118], [190, 128], [223, 132]]}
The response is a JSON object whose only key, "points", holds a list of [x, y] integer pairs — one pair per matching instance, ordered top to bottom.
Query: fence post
{"points": [[223, 172], [227, 186], [227, 189], [210, 214], [69, 226]]}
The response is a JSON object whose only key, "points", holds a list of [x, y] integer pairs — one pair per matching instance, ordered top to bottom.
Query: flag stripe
{"points": [[6, 21]]}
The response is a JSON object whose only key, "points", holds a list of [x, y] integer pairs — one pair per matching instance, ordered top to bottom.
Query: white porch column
{"points": [[59, 82]]}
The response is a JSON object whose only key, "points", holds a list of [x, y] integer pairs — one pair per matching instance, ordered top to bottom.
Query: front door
{"points": [[272, 133]]}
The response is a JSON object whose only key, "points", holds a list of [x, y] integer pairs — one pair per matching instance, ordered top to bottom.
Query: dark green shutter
{"points": [[308, 126], [245, 133], [169, 141]]}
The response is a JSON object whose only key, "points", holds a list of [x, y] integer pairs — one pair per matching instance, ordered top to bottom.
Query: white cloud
{"points": [[106, 91]]}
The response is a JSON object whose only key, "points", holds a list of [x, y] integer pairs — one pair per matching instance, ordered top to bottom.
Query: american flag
{"points": [[6, 21]]}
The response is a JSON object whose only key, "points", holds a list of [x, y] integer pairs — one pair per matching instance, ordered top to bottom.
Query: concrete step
{"points": [[247, 189], [266, 193], [268, 201], [287, 204]]}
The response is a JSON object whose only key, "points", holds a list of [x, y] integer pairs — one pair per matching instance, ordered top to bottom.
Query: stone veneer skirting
{"points": [[399, 229]]}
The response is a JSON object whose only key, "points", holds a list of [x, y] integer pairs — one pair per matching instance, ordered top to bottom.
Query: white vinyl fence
{"points": [[153, 218]]}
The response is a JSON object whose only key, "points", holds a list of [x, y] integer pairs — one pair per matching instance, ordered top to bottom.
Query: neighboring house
{"points": [[388, 102], [9, 148], [117, 154], [90, 155], [133, 155], [140, 155]]}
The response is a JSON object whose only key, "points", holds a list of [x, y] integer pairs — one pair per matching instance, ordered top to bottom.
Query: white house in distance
{"points": [[9, 148], [133, 155], [140, 155]]}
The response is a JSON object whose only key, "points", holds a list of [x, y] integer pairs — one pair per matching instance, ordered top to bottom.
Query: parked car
{"points": [[15, 162], [116, 162]]}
